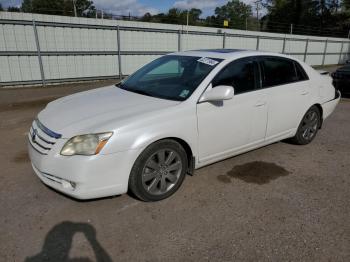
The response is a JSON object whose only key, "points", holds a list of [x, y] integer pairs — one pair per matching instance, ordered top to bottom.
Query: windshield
{"points": [[170, 77]]}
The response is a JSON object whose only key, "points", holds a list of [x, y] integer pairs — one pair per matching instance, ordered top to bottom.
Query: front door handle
{"points": [[305, 93], [260, 103]]}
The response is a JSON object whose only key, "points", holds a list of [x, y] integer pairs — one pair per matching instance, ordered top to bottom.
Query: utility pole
{"points": [[75, 8], [258, 8], [187, 16], [291, 29]]}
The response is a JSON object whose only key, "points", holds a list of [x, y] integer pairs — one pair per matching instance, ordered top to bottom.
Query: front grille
{"points": [[41, 138]]}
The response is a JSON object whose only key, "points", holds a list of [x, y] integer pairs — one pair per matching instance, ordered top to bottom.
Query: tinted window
{"points": [[168, 69], [277, 71], [300, 72], [239, 74]]}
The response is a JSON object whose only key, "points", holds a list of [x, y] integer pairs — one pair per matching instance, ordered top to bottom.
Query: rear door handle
{"points": [[305, 93], [260, 103]]}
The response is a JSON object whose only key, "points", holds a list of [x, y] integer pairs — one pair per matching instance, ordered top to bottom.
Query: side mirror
{"points": [[347, 62], [218, 93]]}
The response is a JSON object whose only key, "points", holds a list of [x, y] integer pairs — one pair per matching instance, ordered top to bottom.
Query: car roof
{"points": [[227, 53]]}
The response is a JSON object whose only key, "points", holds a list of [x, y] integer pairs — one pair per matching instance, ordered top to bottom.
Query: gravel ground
{"points": [[278, 203]]}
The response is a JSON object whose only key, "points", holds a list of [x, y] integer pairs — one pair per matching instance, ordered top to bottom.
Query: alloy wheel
{"points": [[310, 125], [161, 171]]}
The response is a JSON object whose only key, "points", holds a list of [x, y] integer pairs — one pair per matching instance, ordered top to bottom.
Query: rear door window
{"points": [[278, 71]]}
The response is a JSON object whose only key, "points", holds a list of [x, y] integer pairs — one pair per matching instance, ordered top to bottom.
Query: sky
{"points": [[140, 7]]}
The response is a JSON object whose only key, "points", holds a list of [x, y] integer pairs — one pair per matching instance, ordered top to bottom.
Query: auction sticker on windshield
{"points": [[208, 61], [184, 93]]}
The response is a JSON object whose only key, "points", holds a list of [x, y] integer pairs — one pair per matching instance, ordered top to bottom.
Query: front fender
{"points": [[178, 123]]}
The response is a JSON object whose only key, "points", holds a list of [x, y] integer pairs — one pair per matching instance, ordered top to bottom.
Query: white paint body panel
{"points": [[213, 131]]}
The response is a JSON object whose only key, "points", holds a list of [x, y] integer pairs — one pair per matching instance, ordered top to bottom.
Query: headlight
{"points": [[90, 144]]}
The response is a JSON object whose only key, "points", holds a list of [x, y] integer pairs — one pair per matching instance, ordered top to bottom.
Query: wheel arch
{"points": [[319, 107], [186, 146]]}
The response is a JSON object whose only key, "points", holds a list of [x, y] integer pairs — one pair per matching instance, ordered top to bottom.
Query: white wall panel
{"points": [[9, 36], [20, 37], [59, 37], [2, 38], [29, 38], [148, 41], [192, 41], [240, 43], [271, 45], [295, 46], [316, 47], [333, 47], [300, 57], [314, 59], [331, 59], [130, 63], [24, 64], [54, 65], [25, 68], [34, 68], [15, 70], [5, 74]]}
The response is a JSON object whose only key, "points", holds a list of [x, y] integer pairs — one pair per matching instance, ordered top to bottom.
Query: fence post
{"points": [[224, 40], [179, 41], [257, 42], [284, 45], [306, 48], [324, 52], [341, 53], [39, 54], [119, 54]]}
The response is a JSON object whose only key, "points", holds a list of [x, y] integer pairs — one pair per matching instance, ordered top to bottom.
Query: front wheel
{"points": [[308, 127], [159, 171]]}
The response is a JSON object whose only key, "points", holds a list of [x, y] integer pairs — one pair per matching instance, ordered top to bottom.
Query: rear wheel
{"points": [[308, 127], [159, 171]]}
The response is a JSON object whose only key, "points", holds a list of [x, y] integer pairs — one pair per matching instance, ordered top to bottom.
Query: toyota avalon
{"points": [[178, 113]]}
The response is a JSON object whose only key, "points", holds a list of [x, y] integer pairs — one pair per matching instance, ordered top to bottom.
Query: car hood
{"points": [[97, 110]]}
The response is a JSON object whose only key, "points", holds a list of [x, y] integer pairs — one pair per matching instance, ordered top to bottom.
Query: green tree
{"points": [[346, 4], [52, 7], [59, 7], [84, 7], [1, 9], [13, 9], [235, 11], [194, 15], [175, 16], [320, 17]]}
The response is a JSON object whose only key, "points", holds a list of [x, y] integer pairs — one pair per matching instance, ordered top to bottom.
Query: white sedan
{"points": [[180, 112]]}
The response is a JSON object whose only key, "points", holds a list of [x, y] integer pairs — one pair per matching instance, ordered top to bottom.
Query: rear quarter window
{"points": [[301, 74]]}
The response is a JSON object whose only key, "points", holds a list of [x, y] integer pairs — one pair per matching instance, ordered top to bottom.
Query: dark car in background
{"points": [[341, 79]]}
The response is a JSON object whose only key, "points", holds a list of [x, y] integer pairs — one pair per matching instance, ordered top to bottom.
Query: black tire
{"points": [[308, 127], [144, 166]]}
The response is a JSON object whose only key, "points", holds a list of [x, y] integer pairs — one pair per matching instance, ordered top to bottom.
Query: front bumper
{"points": [[84, 177]]}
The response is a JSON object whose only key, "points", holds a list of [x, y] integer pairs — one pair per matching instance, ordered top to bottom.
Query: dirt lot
{"points": [[278, 203]]}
